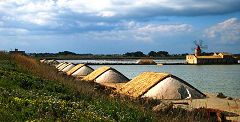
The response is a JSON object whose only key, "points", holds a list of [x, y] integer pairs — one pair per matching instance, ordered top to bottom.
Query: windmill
{"points": [[199, 46]]}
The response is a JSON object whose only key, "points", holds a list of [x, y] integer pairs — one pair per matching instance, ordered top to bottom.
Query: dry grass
{"points": [[50, 73], [142, 83], [114, 86]]}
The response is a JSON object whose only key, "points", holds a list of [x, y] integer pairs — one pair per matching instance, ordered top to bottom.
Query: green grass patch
{"points": [[28, 97]]}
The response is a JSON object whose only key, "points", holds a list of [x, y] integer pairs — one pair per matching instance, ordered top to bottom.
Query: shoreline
{"points": [[159, 64], [230, 107]]}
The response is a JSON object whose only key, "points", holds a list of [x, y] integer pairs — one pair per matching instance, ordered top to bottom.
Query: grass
{"points": [[30, 91]]}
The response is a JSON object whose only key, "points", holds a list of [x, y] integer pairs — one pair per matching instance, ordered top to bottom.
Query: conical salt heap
{"points": [[80, 70], [106, 75], [160, 86]]}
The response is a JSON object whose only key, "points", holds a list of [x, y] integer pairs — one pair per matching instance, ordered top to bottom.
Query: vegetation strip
{"points": [[30, 91]]}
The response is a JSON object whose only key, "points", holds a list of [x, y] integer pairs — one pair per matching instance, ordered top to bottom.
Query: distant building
{"points": [[16, 51], [216, 58]]}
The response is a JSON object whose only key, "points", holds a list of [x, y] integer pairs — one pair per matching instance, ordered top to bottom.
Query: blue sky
{"points": [[119, 26]]}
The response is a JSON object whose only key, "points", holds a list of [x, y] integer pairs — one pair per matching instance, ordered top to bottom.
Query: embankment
{"points": [[30, 91]]}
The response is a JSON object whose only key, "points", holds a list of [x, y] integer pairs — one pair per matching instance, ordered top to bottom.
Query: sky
{"points": [[119, 26]]}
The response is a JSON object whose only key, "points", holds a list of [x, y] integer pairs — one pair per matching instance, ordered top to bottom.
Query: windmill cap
{"points": [[198, 47]]}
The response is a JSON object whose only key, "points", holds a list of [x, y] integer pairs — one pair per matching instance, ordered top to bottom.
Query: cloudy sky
{"points": [[119, 26]]}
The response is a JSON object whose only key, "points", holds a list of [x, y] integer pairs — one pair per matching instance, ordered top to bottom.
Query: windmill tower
{"points": [[199, 46], [198, 51]]}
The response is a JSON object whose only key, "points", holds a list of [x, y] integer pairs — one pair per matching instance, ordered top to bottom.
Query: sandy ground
{"points": [[230, 107]]}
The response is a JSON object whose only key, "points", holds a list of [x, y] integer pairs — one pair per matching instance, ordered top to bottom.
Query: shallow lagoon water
{"points": [[122, 61], [206, 78]]}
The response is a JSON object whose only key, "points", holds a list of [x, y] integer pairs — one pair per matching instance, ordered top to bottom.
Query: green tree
{"points": [[152, 54]]}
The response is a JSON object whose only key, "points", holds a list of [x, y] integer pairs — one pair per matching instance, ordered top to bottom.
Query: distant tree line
{"points": [[64, 53], [68, 54], [135, 54], [150, 54], [158, 54]]}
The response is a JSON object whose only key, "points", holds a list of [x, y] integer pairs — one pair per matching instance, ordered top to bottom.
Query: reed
{"points": [[51, 73]]}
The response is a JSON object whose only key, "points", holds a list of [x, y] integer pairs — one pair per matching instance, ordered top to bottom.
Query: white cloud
{"points": [[39, 6], [84, 6], [119, 8], [149, 8], [36, 12], [106, 14], [88, 15], [40, 18], [115, 20], [171, 28], [13, 31], [149, 32], [225, 32], [141, 33]]}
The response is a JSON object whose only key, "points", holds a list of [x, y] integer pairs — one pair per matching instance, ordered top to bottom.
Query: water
{"points": [[123, 61], [206, 78]]}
